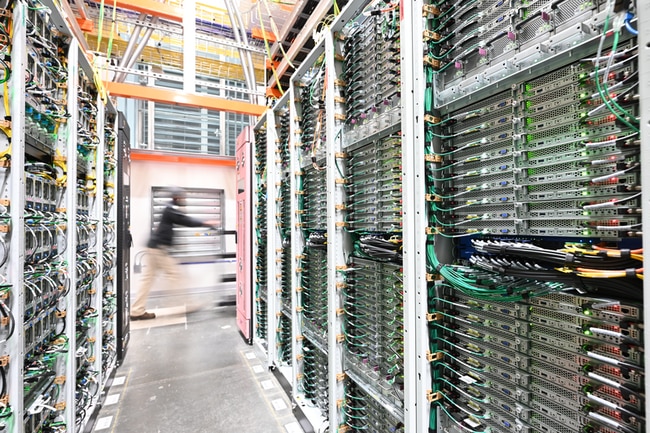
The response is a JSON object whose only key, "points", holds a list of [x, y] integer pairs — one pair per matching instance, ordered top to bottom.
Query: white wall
{"points": [[144, 175]]}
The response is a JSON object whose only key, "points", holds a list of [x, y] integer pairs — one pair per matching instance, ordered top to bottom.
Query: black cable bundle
{"points": [[317, 239], [380, 247], [592, 260], [598, 272]]}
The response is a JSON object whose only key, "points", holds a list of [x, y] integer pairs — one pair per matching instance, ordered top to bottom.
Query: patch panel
{"points": [[371, 65], [311, 115], [312, 200], [374, 208], [261, 251], [284, 252], [313, 287], [261, 313], [373, 326], [283, 338], [314, 376], [363, 410]]}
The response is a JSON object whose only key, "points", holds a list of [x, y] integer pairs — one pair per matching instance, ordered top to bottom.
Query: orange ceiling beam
{"points": [[150, 7], [86, 25], [260, 34], [171, 96], [140, 155]]}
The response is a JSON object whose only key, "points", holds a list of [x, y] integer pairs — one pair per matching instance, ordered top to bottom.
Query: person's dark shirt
{"points": [[164, 233]]}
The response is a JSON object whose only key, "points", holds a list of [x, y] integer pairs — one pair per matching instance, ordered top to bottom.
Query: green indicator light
{"points": [[583, 115], [585, 213], [587, 312], [587, 332]]}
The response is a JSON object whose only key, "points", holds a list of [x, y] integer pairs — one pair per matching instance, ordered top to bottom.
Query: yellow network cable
{"points": [[100, 24], [277, 34], [110, 38], [61, 173]]}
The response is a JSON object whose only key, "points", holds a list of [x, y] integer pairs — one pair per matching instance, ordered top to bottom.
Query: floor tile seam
{"points": [[258, 380]]}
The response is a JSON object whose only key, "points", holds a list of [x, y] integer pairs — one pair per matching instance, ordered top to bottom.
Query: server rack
{"points": [[519, 141], [124, 240], [260, 244], [57, 350]]}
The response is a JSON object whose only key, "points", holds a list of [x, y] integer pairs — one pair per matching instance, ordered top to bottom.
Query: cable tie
{"points": [[625, 253], [569, 258], [630, 273]]}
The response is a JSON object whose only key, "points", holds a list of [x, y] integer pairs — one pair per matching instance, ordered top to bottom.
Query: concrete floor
{"points": [[192, 372]]}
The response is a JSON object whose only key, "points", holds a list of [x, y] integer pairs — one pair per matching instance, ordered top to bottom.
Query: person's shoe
{"points": [[144, 316]]}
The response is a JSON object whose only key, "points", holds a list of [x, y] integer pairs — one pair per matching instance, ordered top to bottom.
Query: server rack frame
{"points": [[643, 11], [67, 144], [123, 199]]}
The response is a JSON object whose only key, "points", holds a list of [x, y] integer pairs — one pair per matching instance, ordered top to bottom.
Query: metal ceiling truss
{"points": [[177, 30], [241, 36], [134, 47]]}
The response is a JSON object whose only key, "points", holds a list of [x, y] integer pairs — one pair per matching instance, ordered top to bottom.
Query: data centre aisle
{"points": [[192, 372]]}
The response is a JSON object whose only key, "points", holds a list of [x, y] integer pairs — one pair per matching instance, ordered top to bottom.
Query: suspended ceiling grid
{"points": [[291, 21], [165, 47]]}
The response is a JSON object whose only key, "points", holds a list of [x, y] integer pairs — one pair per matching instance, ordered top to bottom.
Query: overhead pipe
{"points": [[135, 35], [238, 39], [138, 50], [250, 80], [252, 85]]}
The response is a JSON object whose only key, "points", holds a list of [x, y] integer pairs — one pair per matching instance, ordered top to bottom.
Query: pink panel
{"points": [[244, 238]]}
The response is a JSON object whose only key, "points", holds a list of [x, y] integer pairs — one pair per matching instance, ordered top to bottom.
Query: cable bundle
{"points": [[379, 247]]}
